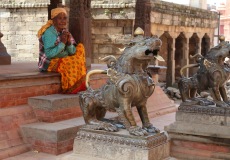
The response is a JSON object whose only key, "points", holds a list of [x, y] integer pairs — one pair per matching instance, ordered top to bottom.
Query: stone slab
{"points": [[54, 102], [201, 120], [199, 129], [57, 131], [52, 132], [200, 132], [102, 145], [190, 147]]}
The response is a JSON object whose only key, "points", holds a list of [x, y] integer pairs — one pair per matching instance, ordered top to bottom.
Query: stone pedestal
{"points": [[5, 58], [200, 132], [101, 145]]}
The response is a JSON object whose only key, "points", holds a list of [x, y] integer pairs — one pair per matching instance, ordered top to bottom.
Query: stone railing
{"points": [[176, 14]]}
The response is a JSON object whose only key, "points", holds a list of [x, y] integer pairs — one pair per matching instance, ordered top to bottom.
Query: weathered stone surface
{"points": [[21, 40], [54, 102], [202, 120], [52, 132], [200, 132], [54, 138], [119, 145]]}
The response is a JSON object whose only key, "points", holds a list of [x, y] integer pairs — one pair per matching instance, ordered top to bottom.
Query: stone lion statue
{"points": [[212, 75], [129, 85]]}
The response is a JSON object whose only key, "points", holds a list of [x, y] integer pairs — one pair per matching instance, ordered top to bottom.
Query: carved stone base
{"points": [[5, 58], [200, 132], [101, 145]]}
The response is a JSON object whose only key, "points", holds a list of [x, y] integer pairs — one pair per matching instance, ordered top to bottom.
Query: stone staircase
{"points": [[15, 89], [32, 98], [55, 107], [35, 116], [59, 118], [58, 123]]}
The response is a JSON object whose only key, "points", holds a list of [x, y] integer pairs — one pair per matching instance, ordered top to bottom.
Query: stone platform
{"points": [[30, 97], [200, 132], [102, 145]]}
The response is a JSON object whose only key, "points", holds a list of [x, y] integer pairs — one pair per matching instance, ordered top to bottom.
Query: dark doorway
{"points": [[205, 44], [193, 49], [180, 50], [167, 53]]}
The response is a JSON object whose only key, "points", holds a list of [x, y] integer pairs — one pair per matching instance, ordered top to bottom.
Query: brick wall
{"points": [[166, 13], [19, 22], [113, 23], [112, 26], [11, 141]]}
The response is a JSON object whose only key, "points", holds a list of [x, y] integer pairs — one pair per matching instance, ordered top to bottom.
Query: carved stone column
{"points": [[142, 17], [80, 25], [5, 58], [185, 60], [170, 78]]}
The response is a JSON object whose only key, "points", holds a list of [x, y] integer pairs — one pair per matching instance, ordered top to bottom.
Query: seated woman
{"points": [[59, 54]]}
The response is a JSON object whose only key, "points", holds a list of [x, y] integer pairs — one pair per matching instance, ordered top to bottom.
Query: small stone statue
{"points": [[5, 58], [212, 74], [129, 85]]}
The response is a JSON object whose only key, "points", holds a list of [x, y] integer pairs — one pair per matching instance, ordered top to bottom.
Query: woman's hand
{"points": [[64, 37], [69, 39]]}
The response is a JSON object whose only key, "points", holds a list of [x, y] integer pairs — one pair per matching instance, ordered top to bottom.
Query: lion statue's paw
{"points": [[103, 126], [150, 128], [137, 131]]}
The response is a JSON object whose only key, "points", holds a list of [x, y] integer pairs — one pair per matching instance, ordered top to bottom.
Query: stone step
{"points": [[17, 84], [16, 88], [54, 102], [55, 107], [54, 138], [11, 139], [14, 151], [198, 152]]}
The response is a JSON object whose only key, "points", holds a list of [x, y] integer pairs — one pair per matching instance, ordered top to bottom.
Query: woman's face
{"points": [[60, 21]]}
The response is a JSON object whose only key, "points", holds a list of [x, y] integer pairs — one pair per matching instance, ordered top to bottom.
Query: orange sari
{"points": [[72, 70]]}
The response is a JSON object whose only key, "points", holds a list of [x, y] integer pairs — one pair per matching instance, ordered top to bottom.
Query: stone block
{"points": [[100, 14], [125, 23], [107, 30], [105, 49], [24, 85], [54, 102], [55, 107], [200, 132], [54, 138], [102, 145]]}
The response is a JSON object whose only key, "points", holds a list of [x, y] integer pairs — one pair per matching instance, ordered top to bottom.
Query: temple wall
{"points": [[176, 18], [19, 22], [112, 24]]}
